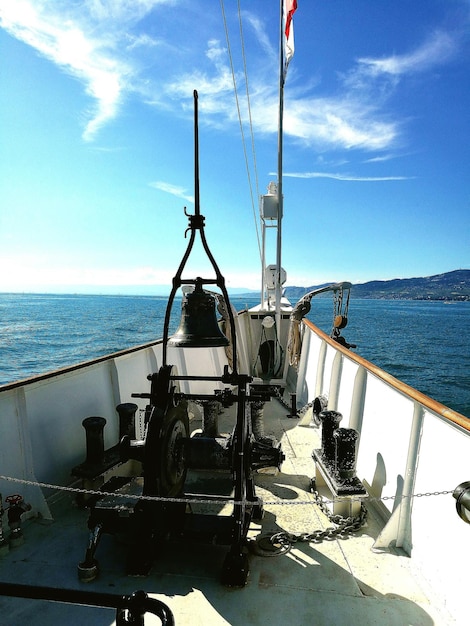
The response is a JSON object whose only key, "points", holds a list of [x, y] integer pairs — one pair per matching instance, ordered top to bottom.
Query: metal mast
{"points": [[279, 168]]}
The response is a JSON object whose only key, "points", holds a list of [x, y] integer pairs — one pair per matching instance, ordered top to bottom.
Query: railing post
{"points": [[404, 524]]}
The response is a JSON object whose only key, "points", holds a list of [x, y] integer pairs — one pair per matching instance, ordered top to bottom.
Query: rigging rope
{"points": [[229, 50], [248, 100]]}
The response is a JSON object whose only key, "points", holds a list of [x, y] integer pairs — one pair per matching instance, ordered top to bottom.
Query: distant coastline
{"points": [[448, 287]]}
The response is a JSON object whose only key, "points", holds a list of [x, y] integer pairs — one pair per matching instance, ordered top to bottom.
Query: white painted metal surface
{"points": [[409, 445]]}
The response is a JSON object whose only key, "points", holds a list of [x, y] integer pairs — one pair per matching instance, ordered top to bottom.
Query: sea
{"points": [[423, 343]]}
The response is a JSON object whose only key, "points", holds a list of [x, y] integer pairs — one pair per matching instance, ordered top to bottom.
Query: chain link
{"points": [[279, 397], [304, 409], [91, 492], [114, 494], [131, 496], [344, 526], [281, 542], [271, 545]]}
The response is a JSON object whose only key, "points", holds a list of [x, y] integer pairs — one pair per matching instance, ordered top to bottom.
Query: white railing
{"points": [[41, 430], [413, 452]]}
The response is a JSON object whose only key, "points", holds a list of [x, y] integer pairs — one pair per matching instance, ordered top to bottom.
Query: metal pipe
{"points": [[137, 603]]}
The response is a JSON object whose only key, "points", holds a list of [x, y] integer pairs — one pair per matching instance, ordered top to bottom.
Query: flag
{"points": [[289, 8]]}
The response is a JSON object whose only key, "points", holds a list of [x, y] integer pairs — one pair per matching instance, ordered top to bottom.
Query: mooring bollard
{"points": [[126, 412], [330, 421], [94, 427], [345, 452]]}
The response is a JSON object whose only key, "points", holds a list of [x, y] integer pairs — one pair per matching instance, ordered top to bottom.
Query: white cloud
{"points": [[260, 33], [85, 41], [142, 41], [100, 42], [435, 51], [216, 84], [341, 123], [380, 158], [345, 177], [174, 190]]}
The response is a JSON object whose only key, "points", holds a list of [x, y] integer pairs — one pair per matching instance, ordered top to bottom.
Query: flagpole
{"points": [[279, 168]]}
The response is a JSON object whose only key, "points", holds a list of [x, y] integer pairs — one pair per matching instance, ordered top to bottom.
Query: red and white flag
{"points": [[289, 8]]}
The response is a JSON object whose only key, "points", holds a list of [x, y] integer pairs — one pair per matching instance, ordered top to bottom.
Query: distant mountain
{"points": [[451, 286]]}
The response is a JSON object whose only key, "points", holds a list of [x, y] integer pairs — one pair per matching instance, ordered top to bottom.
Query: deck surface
{"points": [[339, 581]]}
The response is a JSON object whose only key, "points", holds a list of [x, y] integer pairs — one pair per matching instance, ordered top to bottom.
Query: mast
{"points": [[279, 168]]}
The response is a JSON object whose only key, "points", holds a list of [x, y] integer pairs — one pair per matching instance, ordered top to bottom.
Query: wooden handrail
{"points": [[407, 390]]}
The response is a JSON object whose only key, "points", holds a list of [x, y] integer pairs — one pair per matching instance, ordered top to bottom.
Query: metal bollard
{"points": [[126, 412], [330, 421], [94, 427], [345, 452]]}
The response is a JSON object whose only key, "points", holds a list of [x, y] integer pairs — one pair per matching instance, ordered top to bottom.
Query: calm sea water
{"points": [[425, 344]]}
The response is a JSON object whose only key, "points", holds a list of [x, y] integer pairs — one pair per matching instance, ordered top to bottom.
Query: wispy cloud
{"points": [[260, 33], [86, 41], [102, 44], [436, 50], [211, 84], [355, 116], [340, 123], [381, 158], [345, 177], [174, 190]]}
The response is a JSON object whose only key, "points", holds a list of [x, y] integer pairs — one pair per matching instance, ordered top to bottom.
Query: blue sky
{"points": [[97, 140]]}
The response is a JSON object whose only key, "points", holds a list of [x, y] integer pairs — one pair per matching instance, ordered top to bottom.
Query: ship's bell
{"points": [[198, 326]]}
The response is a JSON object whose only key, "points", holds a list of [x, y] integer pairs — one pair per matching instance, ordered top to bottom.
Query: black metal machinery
{"points": [[462, 497], [154, 505], [130, 609]]}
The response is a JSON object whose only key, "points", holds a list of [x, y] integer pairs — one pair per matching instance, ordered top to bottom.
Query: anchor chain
{"points": [[278, 395], [280, 399], [301, 412], [344, 525], [282, 542]]}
